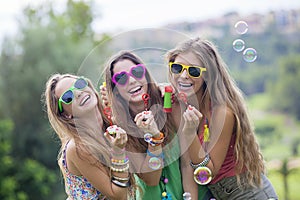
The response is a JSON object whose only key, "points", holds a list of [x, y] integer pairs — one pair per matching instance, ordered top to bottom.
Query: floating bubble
{"points": [[241, 27], [238, 45], [249, 55], [187, 196]]}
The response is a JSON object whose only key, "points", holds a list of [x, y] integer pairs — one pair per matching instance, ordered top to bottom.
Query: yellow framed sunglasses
{"points": [[193, 71]]}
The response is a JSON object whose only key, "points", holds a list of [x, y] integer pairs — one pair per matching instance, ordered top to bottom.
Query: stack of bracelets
{"points": [[120, 165], [202, 174]]}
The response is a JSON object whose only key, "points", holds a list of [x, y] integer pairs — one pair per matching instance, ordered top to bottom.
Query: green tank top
{"points": [[171, 171], [173, 187]]}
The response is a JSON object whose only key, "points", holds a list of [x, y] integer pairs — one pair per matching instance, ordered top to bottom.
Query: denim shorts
{"points": [[228, 188]]}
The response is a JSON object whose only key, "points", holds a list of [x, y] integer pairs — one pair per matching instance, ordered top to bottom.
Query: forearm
{"points": [[196, 152], [151, 168], [120, 180], [189, 185]]}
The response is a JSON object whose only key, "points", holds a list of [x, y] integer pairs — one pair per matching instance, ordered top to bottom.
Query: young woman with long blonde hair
{"points": [[215, 128], [93, 163]]}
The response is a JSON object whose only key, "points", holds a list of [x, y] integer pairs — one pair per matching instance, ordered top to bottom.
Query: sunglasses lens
{"points": [[176, 68], [194, 71], [138, 72], [121, 78], [80, 83], [67, 97]]}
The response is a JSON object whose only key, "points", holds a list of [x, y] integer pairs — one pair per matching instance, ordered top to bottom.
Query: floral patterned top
{"points": [[78, 187]]}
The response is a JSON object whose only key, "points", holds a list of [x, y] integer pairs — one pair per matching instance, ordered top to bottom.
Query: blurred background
{"points": [[259, 41]]}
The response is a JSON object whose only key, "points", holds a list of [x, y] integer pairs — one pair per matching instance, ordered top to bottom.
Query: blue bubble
{"points": [[241, 27], [238, 45], [250, 55]]}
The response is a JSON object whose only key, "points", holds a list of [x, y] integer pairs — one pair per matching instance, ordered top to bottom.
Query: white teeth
{"points": [[185, 84], [133, 90], [85, 99]]}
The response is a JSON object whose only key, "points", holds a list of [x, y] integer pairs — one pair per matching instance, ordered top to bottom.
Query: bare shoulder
{"points": [[224, 111], [224, 119], [71, 149], [73, 158]]}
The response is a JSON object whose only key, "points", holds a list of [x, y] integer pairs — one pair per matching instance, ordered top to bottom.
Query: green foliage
{"points": [[50, 43], [286, 89], [21, 180], [292, 180]]}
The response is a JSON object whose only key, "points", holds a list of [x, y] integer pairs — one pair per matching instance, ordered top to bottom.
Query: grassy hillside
{"points": [[278, 135]]}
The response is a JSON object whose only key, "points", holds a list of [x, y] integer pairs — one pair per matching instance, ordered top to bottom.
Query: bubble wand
{"points": [[182, 97], [167, 99], [108, 113], [146, 113]]}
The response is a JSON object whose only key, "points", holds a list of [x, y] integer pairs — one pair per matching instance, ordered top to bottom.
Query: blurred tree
{"points": [[50, 42], [43, 49], [286, 89], [18, 180]]}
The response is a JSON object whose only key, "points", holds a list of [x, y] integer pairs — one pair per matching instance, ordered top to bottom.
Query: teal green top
{"points": [[171, 171], [173, 187], [203, 192]]}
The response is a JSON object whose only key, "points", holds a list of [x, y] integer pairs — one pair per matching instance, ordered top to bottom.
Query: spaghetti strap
{"points": [[64, 160]]}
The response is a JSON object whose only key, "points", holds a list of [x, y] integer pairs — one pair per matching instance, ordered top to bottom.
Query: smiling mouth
{"points": [[185, 85], [135, 90], [85, 99]]}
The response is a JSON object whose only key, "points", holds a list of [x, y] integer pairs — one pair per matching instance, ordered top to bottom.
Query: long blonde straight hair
{"points": [[220, 89]]}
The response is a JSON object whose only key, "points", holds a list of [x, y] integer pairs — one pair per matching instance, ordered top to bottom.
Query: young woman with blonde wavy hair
{"points": [[215, 128], [93, 163]]}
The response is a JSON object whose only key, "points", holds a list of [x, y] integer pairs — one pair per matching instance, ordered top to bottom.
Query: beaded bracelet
{"points": [[120, 162], [202, 164], [121, 169], [120, 184]]}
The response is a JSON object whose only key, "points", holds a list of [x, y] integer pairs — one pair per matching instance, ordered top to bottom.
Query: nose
{"points": [[184, 74], [131, 80], [77, 93]]}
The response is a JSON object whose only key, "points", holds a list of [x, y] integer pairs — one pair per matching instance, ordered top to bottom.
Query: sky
{"points": [[117, 15]]}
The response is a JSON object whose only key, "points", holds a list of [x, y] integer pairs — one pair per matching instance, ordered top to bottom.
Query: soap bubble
{"points": [[241, 27], [238, 45], [249, 55]]}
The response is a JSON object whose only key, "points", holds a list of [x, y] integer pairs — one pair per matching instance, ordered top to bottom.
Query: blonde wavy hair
{"points": [[220, 89], [88, 142]]}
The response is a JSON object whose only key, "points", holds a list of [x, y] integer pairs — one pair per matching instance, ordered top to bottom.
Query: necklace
{"points": [[165, 195]]}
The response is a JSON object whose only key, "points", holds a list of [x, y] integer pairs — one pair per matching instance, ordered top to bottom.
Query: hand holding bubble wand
{"points": [[206, 133]]}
